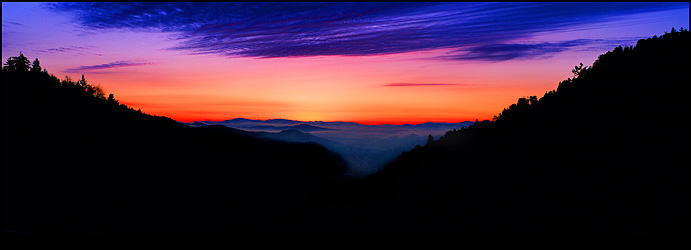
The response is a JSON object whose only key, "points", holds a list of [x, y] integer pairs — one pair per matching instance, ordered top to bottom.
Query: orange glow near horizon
{"points": [[415, 63], [404, 88]]}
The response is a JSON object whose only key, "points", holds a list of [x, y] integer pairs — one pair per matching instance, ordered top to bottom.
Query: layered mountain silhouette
{"points": [[299, 127], [288, 135], [365, 148], [607, 152], [357, 158], [579, 160], [78, 163]]}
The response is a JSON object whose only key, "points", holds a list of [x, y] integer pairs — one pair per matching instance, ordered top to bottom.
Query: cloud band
{"points": [[266, 30]]}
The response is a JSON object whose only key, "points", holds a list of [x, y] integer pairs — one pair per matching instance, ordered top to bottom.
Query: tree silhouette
{"points": [[17, 63], [36, 66], [577, 69], [580, 70], [68, 81], [82, 82], [96, 91], [111, 98], [430, 139]]}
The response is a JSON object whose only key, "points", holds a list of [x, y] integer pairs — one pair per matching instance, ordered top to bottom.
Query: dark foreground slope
{"points": [[607, 152], [73, 163]]}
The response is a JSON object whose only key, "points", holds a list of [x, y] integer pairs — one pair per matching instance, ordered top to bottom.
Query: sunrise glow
{"points": [[389, 64]]}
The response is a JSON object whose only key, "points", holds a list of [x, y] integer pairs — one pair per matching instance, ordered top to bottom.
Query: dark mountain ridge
{"points": [[294, 136], [102, 168], [535, 169]]}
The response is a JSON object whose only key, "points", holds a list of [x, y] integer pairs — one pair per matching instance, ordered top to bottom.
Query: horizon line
{"points": [[356, 122]]}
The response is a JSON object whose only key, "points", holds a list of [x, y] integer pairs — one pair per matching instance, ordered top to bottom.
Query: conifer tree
{"points": [[17, 63], [36, 66], [82, 82]]}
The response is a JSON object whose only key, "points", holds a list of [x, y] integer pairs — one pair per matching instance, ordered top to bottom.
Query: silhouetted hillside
{"points": [[365, 148], [607, 152], [361, 157], [76, 162]]}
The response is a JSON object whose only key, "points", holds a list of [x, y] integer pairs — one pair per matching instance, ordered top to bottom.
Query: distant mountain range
{"points": [[309, 126], [299, 127], [366, 148]]}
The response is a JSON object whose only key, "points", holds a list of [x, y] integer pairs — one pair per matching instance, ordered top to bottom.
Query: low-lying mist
{"points": [[366, 148]]}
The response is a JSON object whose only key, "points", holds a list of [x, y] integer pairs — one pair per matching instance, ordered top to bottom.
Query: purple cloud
{"points": [[9, 24], [266, 30], [76, 50], [504, 52], [116, 64]]}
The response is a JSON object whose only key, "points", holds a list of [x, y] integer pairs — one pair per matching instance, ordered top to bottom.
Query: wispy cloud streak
{"points": [[9, 24], [266, 30], [75, 50], [509, 51], [503, 52], [116, 64], [419, 84]]}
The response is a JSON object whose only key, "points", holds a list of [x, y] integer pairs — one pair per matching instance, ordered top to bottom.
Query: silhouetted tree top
{"points": [[17, 63], [21, 63], [36, 66], [82, 82], [96, 91], [111, 98], [430, 139]]}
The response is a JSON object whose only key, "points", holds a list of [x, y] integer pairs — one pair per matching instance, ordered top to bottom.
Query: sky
{"points": [[372, 63]]}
